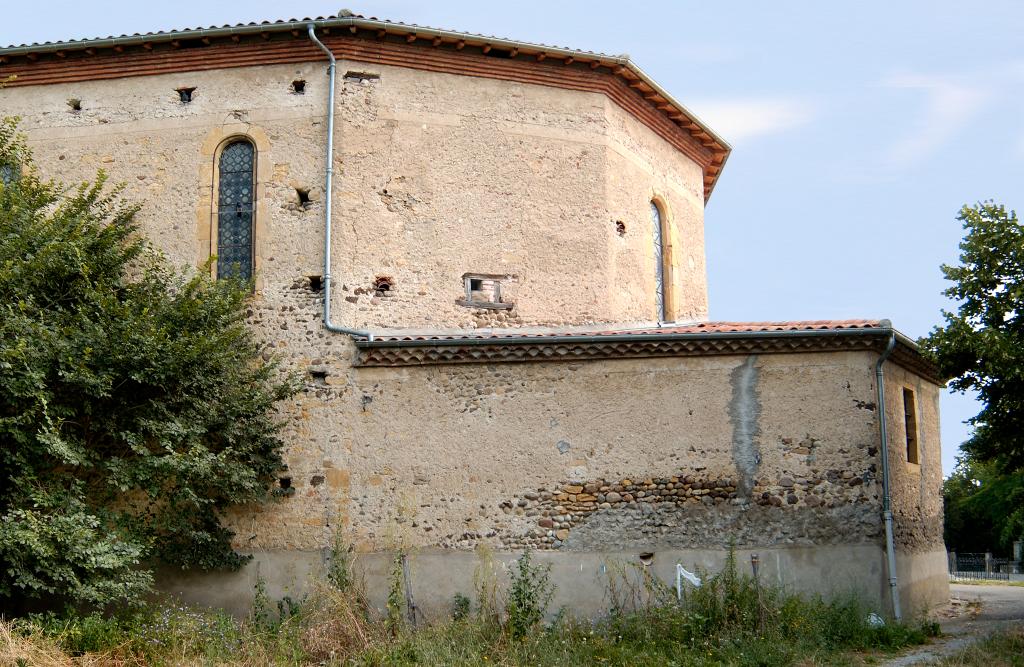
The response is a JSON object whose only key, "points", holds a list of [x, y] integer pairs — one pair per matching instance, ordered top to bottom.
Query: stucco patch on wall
{"points": [[744, 411]]}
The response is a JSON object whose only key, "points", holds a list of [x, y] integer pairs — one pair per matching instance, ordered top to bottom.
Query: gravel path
{"points": [[975, 611]]}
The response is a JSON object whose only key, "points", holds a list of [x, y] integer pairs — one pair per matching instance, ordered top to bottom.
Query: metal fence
{"points": [[978, 566]]}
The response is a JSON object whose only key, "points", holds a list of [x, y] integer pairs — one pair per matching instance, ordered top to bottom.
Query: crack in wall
{"points": [[744, 411]]}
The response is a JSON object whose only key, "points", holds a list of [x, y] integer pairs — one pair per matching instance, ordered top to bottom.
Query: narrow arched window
{"points": [[235, 207], [660, 292]]}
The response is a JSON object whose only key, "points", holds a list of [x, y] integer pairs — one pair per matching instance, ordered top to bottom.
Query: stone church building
{"points": [[506, 343]]}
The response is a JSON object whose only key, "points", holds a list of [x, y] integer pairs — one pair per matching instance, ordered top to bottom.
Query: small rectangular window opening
{"points": [[359, 77], [299, 87], [185, 94], [483, 291], [910, 419]]}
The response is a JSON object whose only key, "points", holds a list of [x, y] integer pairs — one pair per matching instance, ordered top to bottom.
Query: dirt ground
{"points": [[975, 611]]}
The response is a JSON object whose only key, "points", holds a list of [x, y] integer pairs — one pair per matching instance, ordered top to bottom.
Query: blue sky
{"points": [[858, 130]]}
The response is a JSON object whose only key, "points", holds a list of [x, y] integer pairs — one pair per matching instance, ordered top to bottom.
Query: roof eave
{"points": [[721, 146], [877, 332], [459, 350]]}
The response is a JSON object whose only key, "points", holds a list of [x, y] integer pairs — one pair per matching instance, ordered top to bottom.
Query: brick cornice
{"points": [[556, 75], [620, 84]]}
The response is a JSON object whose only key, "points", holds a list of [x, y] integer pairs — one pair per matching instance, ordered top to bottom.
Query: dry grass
{"points": [[336, 626], [333, 628], [1002, 649], [35, 650]]}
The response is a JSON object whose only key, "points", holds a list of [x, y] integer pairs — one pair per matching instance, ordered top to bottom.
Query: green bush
{"points": [[136, 407], [78, 635]]}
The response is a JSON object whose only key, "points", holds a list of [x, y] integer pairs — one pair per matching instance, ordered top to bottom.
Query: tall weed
{"points": [[529, 595]]}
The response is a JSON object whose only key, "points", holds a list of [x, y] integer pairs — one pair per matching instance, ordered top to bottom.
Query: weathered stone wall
{"points": [[635, 153], [436, 176], [663, 453], [586, 462], [916, 487], [916, 493]]}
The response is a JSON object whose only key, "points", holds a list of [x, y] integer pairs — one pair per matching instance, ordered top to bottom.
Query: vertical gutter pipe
{"points": [[328, 182], [890, 548]]}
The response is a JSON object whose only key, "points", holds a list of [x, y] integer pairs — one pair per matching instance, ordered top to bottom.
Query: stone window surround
{"points": [[206, 210], [670, 269], [911, 440]]}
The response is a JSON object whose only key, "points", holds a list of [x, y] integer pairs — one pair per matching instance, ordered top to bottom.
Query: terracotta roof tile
{"points": [[270, 23], [702, 327]]}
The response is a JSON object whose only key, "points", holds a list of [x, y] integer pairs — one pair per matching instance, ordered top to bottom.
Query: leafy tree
{"points": [[981, 346], [134, 408], [984, 507]]}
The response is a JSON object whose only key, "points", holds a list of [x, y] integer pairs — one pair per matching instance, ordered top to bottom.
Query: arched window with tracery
{"points": [[235, 209]]}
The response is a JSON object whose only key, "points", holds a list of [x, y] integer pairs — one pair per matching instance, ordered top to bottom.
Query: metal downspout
{"points": [[328, 180], [890, 548]]}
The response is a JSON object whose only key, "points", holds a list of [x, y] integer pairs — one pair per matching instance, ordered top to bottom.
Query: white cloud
{"points": [[949, 106], [740, 120]]}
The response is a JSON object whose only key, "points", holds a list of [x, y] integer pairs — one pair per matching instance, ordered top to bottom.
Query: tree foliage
{"points": [[981, 346], [134, 408], [984, 508]]}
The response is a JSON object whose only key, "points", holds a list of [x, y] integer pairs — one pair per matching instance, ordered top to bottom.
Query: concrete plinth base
{"points": [[581, 578]]}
